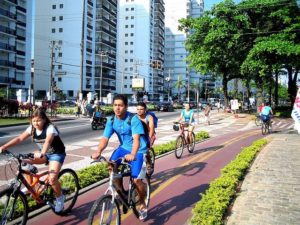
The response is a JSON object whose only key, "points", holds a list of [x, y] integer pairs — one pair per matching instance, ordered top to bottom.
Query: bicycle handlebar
{"points": [[20, 157], [102, 159]]}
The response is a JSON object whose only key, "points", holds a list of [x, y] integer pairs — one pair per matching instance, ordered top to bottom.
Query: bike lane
{"points": [[176, 183]]}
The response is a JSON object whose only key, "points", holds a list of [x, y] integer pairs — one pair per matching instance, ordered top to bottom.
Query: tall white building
{"points": [[67, 29], [140, 43], [15, 44], [175, 53]]}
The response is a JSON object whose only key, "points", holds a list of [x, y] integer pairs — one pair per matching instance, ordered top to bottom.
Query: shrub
{"points": [[214, 202]]}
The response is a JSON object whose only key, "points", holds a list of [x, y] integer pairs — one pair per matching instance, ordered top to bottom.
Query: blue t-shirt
{"points": [[266, 110], [187, 116], [125, 132]]}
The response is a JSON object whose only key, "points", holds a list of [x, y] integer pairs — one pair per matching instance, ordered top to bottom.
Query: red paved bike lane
{"points": [[176, 184]]}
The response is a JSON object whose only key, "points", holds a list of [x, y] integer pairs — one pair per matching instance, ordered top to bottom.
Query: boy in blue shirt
{"points": [[132, 145]]}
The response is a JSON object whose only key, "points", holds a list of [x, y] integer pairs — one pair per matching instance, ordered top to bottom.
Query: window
{"points": [[53, 6], [61, 6], [127, 9], [132, 9], [61, 17], [132, 17], [53, 18], [126, 18], [126, 26], [132, 26], [53, 30], [60, 30], [131, 34], [126, 35], [60, 42], [126, 43], [131, 43], [126, 51], [131, 51], [60, 54], [126, 60], [131, 60], [59, 67], [131, 68], [126, 69], [125, 77], [59, 79], [125, 86]]}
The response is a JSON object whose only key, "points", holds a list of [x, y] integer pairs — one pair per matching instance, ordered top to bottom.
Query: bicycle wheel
{"points": [[258, 121], [263, 128], [192, 143], [179, 147], [151, 160], [70, 187], [135, 198], [13, 208], [105, 211]]}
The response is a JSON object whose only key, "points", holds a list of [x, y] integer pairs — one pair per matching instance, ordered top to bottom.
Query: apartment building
{"points": [[140, 44], [15, 45], [75, 46], [175, 65]]}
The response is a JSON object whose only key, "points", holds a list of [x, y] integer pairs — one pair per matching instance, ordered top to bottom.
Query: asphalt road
{"points": [[70, 131]]}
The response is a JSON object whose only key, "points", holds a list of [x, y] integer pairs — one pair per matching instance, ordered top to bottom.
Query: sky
{"points": [[209, 3]]}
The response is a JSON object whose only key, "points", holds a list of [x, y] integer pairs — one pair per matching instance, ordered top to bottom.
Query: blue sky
{"points": [[209, 3]]}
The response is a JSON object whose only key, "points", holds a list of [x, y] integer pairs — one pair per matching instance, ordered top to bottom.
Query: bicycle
{"points": [[258, 121], [266, 127], [182, 140], [150, 156], [14, 206], [106, 209]]}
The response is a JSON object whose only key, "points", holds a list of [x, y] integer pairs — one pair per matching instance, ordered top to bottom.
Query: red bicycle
{"points": [[183, 140]]}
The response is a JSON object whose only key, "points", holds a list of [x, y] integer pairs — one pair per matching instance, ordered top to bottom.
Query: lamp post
{"points": [[102, 54], [168, 79]]}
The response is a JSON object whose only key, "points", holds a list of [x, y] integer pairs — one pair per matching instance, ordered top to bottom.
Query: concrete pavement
{"points": [[270, 193]]}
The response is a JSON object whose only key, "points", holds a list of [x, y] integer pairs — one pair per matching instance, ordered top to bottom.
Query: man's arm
{"points": [[151, 126], [101, 146], [135, 148]]}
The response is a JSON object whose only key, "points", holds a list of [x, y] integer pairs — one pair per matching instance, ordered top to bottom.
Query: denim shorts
{"points": [[56, 157]]}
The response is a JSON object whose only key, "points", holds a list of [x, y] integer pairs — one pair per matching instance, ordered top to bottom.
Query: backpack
{"points": [[155, 119], [145, 126]]}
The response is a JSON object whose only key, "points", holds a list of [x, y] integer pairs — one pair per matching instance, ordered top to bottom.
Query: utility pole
{"points": [[52, 43], [81, 51], [102, 54], [188, 76], [168, 79]]}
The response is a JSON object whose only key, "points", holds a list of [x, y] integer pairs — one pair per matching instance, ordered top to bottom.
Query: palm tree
{"points": [[179, 84], [194, 86]]}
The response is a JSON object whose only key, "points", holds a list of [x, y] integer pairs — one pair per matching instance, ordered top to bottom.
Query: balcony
{"points": [[13, 1], [113, 2], [90, 3], [20, 8], [109, 10], [8, 14], [90, 14], [111, 22], [20, 23], [89, 26], [7, 30], [112, 33], [20, 38], [89, 38], [114, 45], [7, 47], [89, 50], [21, 53], [89, 62], [7, 63], [19, 67], [89, 74], [4, 80], [88, 86]]}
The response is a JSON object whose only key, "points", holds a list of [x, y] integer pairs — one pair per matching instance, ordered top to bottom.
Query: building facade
{"points": [[15, 45], [75, 45], [140, 46], [176, 67]]}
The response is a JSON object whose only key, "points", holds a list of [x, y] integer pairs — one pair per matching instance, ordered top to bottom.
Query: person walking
{"points": [[207, 113]]}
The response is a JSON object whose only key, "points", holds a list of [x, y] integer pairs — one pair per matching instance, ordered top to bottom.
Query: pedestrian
{"points": [[218, 105], [207, 113]]}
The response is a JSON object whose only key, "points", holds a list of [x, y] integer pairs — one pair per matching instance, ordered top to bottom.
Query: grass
{"points": [[8, 121]]}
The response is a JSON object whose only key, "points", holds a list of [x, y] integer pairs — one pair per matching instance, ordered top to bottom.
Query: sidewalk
{"points": [[270, 193]]}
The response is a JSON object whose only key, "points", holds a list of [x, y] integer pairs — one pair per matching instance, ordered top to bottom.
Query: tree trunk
{"points": [[292, 85], [276, 88], [225, 89], [259, 90]]}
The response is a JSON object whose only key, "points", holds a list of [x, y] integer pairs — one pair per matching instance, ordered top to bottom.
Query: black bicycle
{"points": [[14, 206], [106, 209]]}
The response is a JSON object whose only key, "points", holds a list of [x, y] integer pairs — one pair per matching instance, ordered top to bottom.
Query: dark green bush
{"points": [[215, 201]]}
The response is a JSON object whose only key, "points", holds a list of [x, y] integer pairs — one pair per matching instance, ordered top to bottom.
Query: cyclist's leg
{"points": [[191, 129], [119, 152], [55, 164], [138, 173]]}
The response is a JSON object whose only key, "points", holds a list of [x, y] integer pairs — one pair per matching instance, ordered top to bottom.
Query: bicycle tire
{"points": [[258, 121], [94, 127], [264, 128], [192, 144], [179, 147], [151, 155], [70, 187], [135, 197], [100, 206], [15, 209]]}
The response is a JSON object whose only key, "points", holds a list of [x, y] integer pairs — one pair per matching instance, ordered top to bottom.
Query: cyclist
{"points": [[207, 112], [266, 113], [98, 114], [187, 115], [148, 123], [132, 145], [51, 149]]}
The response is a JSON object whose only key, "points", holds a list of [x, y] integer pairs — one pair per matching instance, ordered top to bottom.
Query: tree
{"points": [[179, 85]]}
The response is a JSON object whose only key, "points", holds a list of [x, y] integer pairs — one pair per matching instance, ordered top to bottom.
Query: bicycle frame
{"points": [[184, 133]]}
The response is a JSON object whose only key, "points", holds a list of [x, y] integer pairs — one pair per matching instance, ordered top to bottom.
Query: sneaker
{"points": [[25, 190], [59, 205], [143, 214]]}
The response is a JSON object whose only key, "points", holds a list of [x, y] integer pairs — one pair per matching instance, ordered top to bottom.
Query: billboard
{"points": [[138, 83]]}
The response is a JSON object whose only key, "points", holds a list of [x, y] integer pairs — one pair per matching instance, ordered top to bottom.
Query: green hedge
{"points": [[214, 203]]}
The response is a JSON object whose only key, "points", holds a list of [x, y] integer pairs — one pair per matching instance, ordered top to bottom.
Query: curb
{"points": [[20, 124]]}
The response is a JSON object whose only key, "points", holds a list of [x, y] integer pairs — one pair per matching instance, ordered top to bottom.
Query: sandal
{"points": [[143, 214]]}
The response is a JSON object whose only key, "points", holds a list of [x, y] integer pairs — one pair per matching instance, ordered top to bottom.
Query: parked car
{"points": [[165, 106]]}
